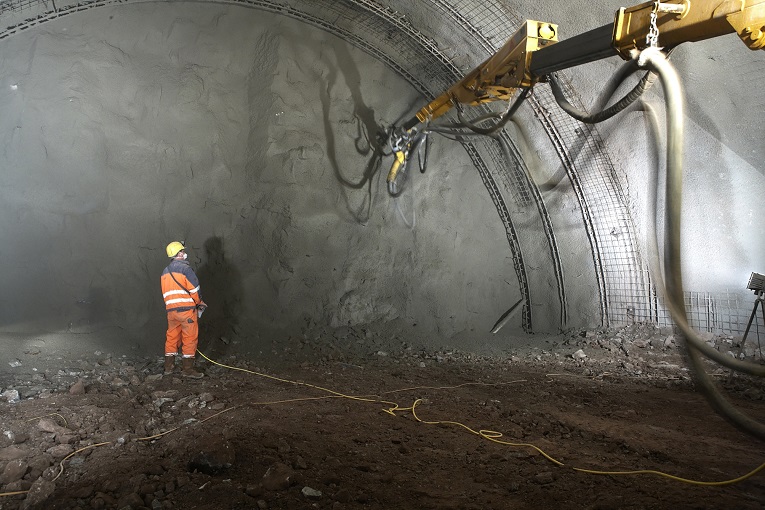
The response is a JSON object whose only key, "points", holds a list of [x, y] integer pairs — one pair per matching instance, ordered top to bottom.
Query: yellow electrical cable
{"points": [[299, 383], [51, 414], [491, 435], [494, 437], [61, 464], [673, 477], [17, 493]]}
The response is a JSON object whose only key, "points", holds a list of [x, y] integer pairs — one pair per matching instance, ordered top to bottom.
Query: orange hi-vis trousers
{"points": [[182, 331]]}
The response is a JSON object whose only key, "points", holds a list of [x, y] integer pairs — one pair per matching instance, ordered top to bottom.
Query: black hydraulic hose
{"points": [[657, 62], [643, 85], [503, 120], [456, 129]]}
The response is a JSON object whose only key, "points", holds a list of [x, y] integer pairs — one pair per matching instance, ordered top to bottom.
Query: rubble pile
{"points": [[638, 350], [57, 415]]}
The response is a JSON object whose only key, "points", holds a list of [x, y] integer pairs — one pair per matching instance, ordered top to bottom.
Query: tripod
{"points": [[759, 298]]}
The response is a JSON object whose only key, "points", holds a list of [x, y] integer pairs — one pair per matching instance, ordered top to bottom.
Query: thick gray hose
{"points": [[654, 60]]}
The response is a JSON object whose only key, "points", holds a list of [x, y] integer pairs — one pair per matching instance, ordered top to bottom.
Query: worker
{"points": [[180, 290]]}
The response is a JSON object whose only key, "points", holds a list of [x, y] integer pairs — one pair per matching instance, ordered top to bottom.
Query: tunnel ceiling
{"points": [[431, 44]]}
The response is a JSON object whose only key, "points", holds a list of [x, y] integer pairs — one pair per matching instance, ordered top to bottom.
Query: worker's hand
{"points": [[201, 309]]}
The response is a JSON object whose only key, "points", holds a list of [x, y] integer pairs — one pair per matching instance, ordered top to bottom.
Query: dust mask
{"points": [[185, 256]]}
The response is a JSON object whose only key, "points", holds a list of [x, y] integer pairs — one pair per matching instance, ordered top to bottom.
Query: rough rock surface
{"points": [[246, 134], [268, 434]]}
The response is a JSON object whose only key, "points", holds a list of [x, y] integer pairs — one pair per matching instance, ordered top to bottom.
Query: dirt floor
{"points": [[406, 429]]}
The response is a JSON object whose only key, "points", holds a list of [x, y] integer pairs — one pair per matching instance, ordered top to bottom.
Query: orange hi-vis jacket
{"points": [[180, 287]]}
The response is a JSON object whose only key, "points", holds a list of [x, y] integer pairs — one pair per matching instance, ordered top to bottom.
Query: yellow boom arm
{"points": [[534, 51]]}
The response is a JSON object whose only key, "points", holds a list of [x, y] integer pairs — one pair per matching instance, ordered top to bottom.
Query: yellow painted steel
{"points": [[698, 20]]}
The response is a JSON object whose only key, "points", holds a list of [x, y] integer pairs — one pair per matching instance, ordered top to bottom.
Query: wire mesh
{"points": [[22, 5], [616, 253], [626, 294], [715, 312]]}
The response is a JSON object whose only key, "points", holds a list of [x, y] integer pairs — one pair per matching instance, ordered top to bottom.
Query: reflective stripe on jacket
{"points": [[183, 294]]}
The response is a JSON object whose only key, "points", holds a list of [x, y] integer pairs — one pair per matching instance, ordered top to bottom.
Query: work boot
{"points": [[169, 365], [188, 369]]}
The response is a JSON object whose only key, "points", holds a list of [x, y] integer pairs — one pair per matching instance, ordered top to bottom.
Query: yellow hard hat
{"points": [[173, 248]]}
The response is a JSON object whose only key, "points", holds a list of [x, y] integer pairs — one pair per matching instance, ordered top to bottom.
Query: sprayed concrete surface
{"points": [[253, 137], [257, 151]]}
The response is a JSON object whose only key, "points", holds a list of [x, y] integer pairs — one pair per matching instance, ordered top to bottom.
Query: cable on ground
{"points": [[489, 435], [495, 436]]}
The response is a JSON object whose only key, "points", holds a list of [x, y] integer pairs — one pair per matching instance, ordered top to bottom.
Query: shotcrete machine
{"points": [[643, 35], [534, 53]]}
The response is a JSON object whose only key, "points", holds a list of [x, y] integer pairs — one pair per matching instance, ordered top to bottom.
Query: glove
{"points": [[200, 310]]}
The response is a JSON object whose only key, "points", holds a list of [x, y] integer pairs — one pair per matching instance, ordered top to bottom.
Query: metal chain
{"points": [[652, 38]]}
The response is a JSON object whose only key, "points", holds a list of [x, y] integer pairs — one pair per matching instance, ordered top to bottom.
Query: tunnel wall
{"points": [[248, 136], [722, 240], [533, 251], [567, 275]]}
